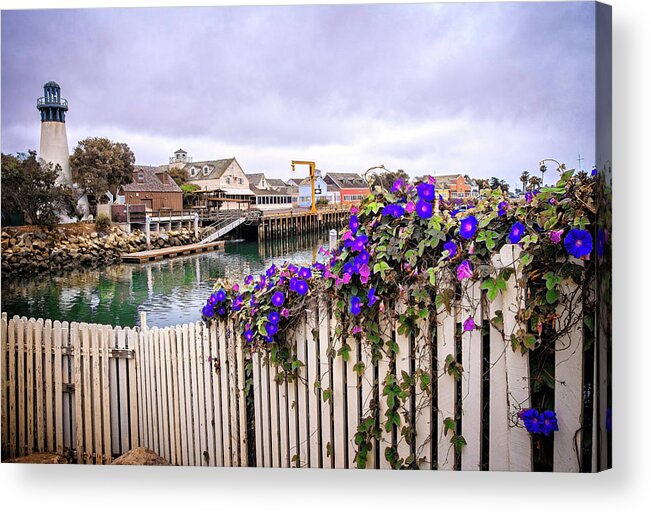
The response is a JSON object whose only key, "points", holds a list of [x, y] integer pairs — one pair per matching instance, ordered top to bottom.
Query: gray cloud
{"points": [[480, 88]]}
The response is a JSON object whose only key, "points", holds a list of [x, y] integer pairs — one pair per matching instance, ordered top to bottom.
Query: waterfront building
{"points": [[261, 182], [351, 186], [454, 186], [153, 187], [305, 190], [334, 194], [271, 199]]}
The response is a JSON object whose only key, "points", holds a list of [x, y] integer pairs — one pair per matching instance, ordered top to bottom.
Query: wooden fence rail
{"points": [[193, 394]]}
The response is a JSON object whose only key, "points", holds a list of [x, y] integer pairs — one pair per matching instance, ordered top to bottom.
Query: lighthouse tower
{"points": [[54, 140]]}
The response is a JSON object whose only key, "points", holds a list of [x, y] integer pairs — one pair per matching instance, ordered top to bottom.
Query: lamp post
{"points": [[543, 167]]}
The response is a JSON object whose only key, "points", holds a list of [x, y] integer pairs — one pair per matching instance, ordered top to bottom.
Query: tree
{"points": [[99, 165], [179, 175], [524, 178], [535, 182], [482, 183], [494, 183], [29, 186]]}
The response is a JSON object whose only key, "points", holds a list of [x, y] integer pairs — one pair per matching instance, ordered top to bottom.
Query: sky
{"points": [[480, 89]]}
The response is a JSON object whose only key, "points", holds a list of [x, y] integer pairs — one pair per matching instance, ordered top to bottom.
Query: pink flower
{"points": [[431, 180], [410, 207], [354, 210], [348, 235], [555, 236], [471, 250], [464, 270], [364, 273], [328, 274], [347, 278], [236, 287], [381, 307], [469, 324], [357, 329]]}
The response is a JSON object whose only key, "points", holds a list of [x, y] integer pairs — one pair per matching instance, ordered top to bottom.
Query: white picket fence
{"points": [[93, 392]]}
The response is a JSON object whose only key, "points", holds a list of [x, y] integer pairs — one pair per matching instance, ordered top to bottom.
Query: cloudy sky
{"points": [[484, 89]]}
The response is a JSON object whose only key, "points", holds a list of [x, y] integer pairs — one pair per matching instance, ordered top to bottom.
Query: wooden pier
{"points": [[298, 223], [170, 252]]}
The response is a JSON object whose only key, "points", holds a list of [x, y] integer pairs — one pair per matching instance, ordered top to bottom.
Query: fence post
{"points": [[333, 239], [143, 321]]}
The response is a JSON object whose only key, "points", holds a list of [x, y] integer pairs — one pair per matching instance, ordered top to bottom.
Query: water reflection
{"points": [[170, 291]]}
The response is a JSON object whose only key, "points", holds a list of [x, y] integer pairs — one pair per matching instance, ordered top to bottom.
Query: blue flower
{"points": [[594, 172], [397, 185], [426, 191], [528, 197], [502, 207], [424, 209], [393, 210], [354, 223], [468, 227], [517, 232], [578, 242], [357, 244], [451, 247], [362, 258], [292, 268], [348, 268], [271, 270], [304, 273], [292, 284], [301, 287], [278, 299], [372, 299], [237, 303], [355, 305], [208, 311], [221, 311], [273, 317], [271, 328], [248, 335], [269, 339], [532, 421], [549, 423]]}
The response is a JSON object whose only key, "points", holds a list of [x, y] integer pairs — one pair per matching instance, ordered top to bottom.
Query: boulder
{"points": [[140, 457]]}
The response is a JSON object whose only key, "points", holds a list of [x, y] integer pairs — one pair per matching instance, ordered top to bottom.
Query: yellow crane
{"points": [[312, 166]]}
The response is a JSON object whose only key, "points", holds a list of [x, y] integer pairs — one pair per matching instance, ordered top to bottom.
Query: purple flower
{"points": [[594, 172], [397, 185], [426, 192], [528, 197], [410, 207], [502, 208], [424, 209], [393, 210], [454, 213], [354, 223], [468, 227], [517, 232], [555, 236], [578, 243], [357, 245], [451, 247], [363, 258], [319, 266], [292, 268], [271, 270], [464, 270], [304, 273], [364, 273], [292, 284], [301, 287], [371, 297], [278, 299], [237, 303], [355, 305], [208, 311], [221, 311], [284, 313], [273, 317], [469, 324], [271, 328], [357, 329], [248, 335], [269, 339], [532, 421], [549, 423]]}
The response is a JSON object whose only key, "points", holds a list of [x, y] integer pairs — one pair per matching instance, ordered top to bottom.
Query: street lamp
{"points": [[543, 167]]}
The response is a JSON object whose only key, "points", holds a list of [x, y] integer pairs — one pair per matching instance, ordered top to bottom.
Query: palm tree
{"points": [[524, 178]]}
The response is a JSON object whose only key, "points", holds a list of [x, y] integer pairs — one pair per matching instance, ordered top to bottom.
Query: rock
{"points": [[140, 457], [40, 458]]}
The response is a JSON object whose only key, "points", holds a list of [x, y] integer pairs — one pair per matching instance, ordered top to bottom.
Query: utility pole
{"points": [[580, 159]]}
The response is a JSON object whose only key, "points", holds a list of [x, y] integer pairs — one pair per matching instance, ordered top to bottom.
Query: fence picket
{"points": [[121, 337], [105, 339], [132, 344], [383, 364], [403, 364], [311, 374], [29, 375], [325, 375], [38, 377], [223, 379], [215, 380], [471, 382], [5, 383], [446, 385], [49, 386], [232, 394], [209, 396], [368, 396], [568, 396], [301, 397], [423, 397], [241, 398], [257, 398], [352, 399], [338, 404], [14, 429], [277, 452]]}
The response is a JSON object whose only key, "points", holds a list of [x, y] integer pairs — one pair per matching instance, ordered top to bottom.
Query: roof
{"points": [[180, 151], [217, 168], [255, 178], [346, 180], [151, 182], [275, 182], [261, 192]]}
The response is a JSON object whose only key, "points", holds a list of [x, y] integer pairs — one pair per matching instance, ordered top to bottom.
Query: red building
{"points": [[351, 186]]}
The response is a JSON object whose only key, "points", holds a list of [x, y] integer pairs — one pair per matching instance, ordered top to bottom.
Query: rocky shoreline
{"points": [[57, 250]]}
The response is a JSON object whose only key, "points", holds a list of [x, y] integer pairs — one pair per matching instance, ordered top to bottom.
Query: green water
{"points": [[170, 292]]}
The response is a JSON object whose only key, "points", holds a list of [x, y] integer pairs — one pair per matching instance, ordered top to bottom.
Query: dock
{"points": [[170, 252]]}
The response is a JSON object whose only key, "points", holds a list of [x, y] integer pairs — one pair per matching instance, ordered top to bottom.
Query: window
{"points": [[206, 170], [193, 171], [141, 177], [228, 180], [239, 180]]}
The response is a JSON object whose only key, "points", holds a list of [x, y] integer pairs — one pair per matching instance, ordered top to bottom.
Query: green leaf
{"points": [[551, 296], [448, 424]]}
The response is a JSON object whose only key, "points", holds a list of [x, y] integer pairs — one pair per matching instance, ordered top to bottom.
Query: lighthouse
{"points": [[54, 139]]}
